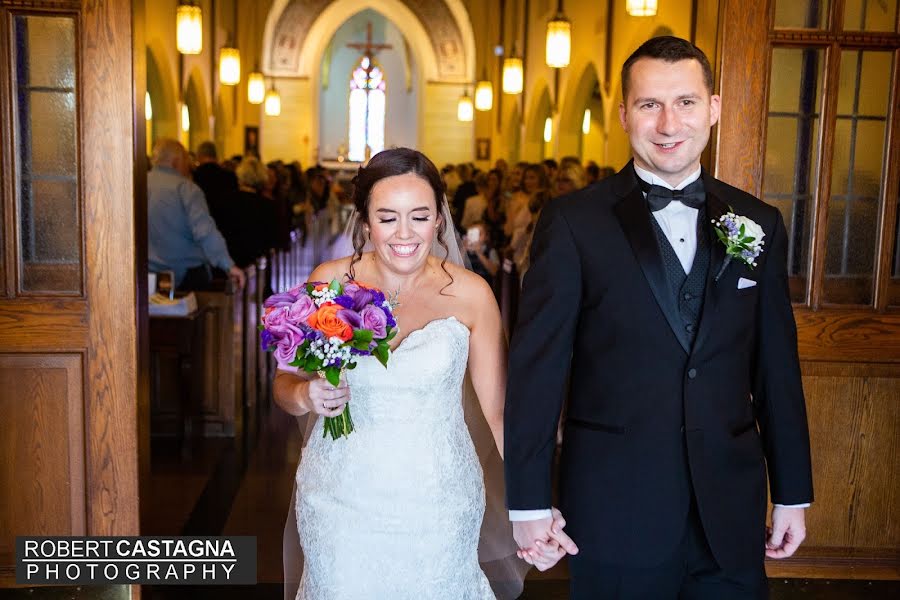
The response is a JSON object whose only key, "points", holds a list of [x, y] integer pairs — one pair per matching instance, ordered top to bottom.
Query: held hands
{"points": [[324, 399], [787, 532], [543, 542]]}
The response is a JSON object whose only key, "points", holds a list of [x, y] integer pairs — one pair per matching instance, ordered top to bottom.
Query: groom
{"points": [[684, 380]]}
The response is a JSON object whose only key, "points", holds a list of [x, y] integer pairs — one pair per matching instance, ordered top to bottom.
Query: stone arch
{"points": [[439, 31], [161, 86], [581, 94], [195, 98]]}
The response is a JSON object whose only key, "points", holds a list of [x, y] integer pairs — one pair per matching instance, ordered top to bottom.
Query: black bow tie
{"points": [[658, 197]]}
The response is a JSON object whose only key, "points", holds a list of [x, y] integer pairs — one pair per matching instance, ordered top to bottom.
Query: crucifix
{"points": [[368, 48], [374, 78]]}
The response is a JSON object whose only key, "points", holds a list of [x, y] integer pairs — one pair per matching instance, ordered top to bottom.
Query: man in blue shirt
{"points": [[182, 236]]}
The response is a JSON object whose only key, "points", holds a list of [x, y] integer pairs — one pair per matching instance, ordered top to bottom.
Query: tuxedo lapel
{"points": [[715, 208], [634, 217]]}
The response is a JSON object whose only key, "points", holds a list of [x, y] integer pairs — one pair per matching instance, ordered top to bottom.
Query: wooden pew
{"points": [[250, 342], [223, 359]]}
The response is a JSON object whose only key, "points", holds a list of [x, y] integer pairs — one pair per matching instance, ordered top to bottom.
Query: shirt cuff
{"points": [[804, 505], [530, 515]]}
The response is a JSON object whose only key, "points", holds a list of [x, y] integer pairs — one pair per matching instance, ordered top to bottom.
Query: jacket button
{"points": [[687, 296], [689, 328], [692, 373]]}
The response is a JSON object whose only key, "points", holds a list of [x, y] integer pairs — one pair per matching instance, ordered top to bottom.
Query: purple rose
{"points": [[351, 288], [279, 300], [300, 310], [350, 317], [374, 318], [285, 352]]}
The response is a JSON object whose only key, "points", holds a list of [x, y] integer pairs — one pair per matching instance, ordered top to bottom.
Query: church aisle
{"points": [[227, 488]]}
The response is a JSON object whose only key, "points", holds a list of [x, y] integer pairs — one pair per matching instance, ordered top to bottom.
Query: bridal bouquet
{"points": [[324, 328]]}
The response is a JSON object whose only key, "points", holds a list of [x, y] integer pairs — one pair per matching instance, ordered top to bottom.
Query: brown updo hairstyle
{"points": [[390, 163]]}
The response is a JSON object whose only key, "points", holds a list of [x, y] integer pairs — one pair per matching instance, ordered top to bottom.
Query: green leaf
{"points": [[743, 230], [335, 286], [310, 288], [391, 334], [362, 335], [363, 346], [382, 353], [313, 363], [333, 375]]}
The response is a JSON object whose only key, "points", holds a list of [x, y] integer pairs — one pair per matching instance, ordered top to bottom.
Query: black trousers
{"points": [[691, 573]]}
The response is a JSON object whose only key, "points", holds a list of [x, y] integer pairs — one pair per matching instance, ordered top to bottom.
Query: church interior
{"points": [[120, 418]]}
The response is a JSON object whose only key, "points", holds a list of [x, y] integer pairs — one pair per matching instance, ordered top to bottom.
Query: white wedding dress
{"points": [[394, 510]]}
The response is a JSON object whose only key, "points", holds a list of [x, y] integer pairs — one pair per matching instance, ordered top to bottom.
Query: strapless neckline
{"points": [[428, 325]]}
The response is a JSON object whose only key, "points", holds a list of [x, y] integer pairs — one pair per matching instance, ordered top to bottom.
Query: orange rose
{"points": [[327, 321]]}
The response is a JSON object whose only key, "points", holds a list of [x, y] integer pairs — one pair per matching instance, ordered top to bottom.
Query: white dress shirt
{"points": [[679, 223]]}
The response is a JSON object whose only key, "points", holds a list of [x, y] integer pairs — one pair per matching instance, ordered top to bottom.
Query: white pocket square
{"points": [[744, 283]]}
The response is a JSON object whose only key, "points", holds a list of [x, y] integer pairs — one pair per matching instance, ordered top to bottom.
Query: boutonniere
{"points": [[742, 237]]}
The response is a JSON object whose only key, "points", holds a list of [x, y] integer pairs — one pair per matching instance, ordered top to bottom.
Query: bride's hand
{"points": [[324, 399]]}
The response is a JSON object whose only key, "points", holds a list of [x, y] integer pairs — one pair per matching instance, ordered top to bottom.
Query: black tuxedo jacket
{"points": [[653, 421]]}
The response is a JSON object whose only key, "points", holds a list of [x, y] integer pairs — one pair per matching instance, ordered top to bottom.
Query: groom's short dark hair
{"points": [[669, 49]]}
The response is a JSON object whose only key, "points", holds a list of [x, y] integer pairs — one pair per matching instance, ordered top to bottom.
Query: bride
{"points": [[397, 509]]}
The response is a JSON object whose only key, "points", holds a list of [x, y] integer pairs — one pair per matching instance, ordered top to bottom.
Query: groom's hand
{"points": [[787, 532], [542, 542]]}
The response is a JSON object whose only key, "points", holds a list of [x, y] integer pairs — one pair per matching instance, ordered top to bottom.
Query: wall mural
{"points": [[435, 16]]}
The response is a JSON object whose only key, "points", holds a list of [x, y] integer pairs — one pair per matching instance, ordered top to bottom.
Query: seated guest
{"points": [[218, 184], [182, 236]]}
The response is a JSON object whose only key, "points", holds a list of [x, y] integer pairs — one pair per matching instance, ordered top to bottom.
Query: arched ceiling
{"points": [[446, 22]]}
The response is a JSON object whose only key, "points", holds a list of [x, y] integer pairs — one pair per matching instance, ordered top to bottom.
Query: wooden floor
{"points": [[227, 487]]}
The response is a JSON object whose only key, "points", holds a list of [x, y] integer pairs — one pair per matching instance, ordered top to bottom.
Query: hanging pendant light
{"points": [[641, 8], [189, 28], [559, 40], [229, 65], [513, 76], [256, 87], [484, 95], [273, 102], [148, 107], [465, 111], [185, 118], [586, 122], [548, 129]]}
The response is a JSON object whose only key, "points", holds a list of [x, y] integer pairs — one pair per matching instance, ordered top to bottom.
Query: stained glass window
{"points": [[367, 103]]}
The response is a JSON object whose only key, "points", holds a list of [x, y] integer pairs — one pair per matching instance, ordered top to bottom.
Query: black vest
{"points": [[687, 289]]}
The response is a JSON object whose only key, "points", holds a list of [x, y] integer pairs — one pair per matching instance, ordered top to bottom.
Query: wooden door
{"points": [[811, 124], [68, 283]]}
